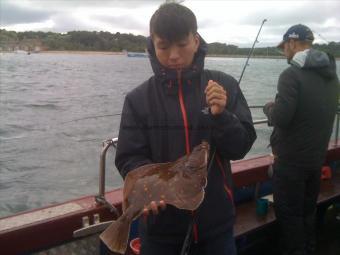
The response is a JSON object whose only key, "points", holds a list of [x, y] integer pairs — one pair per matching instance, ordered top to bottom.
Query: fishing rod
{"points": [[323, 38], [251, 52], [246, 64], [256, 106], [91, 117], [188, 237]]}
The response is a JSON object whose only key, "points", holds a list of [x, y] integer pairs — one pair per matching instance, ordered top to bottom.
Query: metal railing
{"points": [[262, 121], [337, 121], [100, 198]]}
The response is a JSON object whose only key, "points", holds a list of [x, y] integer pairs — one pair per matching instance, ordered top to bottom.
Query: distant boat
{"points": [[21, 52], [137, 54]]}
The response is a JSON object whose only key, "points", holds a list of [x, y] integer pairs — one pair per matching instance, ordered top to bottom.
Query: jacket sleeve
{"points": [[283, 110], [233, 132], [132, 149]]}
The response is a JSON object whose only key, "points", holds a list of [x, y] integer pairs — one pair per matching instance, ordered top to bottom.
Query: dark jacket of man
{"points": [[304, 109], [152, 130]]}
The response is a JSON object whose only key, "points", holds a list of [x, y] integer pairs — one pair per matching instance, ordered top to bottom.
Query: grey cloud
{"points": [[70, 4], [59, 11], [311, 13], [13, 14], [122, 21], [65, 23], [207, 23]]}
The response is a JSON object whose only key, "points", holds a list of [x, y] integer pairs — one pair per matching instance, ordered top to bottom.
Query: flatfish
{"points": [[180, 183]]}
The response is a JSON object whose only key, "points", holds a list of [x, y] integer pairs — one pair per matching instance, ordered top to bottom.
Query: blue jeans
{"points": [[220, 245]]}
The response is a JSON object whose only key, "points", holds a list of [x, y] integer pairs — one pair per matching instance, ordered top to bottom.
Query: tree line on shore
{"points": [[117, 42]]}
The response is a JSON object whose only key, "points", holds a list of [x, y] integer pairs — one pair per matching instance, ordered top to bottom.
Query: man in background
{"points": [[302, 116]]}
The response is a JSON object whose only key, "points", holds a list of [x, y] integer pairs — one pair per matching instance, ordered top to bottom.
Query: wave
{"points": [[47, 106], [10, 134], [11, 137]]}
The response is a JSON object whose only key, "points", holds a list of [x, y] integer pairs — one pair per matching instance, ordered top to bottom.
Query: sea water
{"points": [[56, 109]]}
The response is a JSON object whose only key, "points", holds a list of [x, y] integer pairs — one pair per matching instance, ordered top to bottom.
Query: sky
{"points": [[225, 21]]}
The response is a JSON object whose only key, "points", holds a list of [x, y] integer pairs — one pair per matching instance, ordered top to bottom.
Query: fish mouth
{"points": [[206, 153]]}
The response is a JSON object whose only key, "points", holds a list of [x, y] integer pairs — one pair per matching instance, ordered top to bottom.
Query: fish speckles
{"points": [[145, 188], [162, 196]]}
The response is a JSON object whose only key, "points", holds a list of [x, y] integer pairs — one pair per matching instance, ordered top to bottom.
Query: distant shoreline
{"points": [[83, 52], [124, 53], [243, 56]]}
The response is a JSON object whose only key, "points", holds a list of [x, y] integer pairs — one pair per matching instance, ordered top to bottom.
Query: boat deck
{"points": [[247, 221], [259, 235]]}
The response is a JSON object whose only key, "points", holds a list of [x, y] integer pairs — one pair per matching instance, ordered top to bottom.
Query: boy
{"points": [[162, 120]]}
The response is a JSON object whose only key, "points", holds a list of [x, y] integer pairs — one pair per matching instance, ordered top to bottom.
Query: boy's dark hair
{"points": [[173, 22]]}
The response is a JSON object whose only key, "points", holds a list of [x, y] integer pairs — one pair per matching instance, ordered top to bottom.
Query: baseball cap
{"points": [[298, 32]]}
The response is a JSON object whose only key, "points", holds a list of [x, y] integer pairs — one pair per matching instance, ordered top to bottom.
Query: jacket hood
{"points": [[321, 62], [171, 74]]}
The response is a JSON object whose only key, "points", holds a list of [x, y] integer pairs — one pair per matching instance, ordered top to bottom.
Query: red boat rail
{"points": [[250, 171], [53, 225]]}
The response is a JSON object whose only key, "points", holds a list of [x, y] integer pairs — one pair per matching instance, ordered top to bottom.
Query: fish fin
{"points": [[116, 235]]}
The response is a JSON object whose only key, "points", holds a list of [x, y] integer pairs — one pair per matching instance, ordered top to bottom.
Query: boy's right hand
{"points": [[216, 97]]}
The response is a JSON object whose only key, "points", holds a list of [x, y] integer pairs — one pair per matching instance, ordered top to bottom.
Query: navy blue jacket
{"points": [[304, 109], [152, 130]]}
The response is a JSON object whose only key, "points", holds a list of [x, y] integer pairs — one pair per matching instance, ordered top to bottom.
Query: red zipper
{"points": [[184, 113], [187, 141], [229, 192], [195, 227]]}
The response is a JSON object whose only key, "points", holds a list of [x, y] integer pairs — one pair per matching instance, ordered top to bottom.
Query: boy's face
{"points": [[176, 55]]}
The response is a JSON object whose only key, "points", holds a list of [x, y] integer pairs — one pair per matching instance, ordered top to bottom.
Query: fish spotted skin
{"points": [[180, 183]]}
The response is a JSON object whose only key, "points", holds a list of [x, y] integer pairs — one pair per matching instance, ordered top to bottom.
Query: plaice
{"points": [[180, 183]]}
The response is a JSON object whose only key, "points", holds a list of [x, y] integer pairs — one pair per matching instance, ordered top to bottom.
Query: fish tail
{"points": [[116, 235]]}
